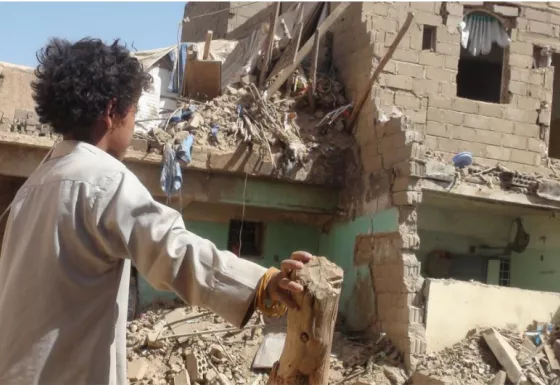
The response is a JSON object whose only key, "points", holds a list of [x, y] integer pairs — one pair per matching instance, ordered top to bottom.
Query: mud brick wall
{"points": [[422, 83], [391, 146]]}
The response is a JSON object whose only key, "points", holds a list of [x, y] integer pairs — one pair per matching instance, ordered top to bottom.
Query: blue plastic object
{"points": [[184, 150], [463, 159], [171, 176]]}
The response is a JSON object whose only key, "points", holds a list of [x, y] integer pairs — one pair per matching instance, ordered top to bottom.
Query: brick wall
{"points": [[231, 20], [422, 84], [15, 89], [390, 146]]}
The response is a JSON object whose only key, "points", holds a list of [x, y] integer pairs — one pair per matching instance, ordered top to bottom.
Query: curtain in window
{"points": [[479, 31]]}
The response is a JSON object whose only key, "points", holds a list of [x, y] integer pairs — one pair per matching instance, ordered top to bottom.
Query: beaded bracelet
{"points": [[276, 308]]}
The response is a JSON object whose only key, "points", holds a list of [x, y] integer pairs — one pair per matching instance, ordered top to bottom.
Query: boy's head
{"points": [[88, 91]]}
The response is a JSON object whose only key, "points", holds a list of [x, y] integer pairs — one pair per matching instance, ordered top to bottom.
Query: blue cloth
{"points": [[179, 62], [184, 150], [171, 177]]}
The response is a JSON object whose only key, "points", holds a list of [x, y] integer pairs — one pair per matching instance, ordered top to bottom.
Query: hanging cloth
{"points": [[479, 31], [179, 58], [171, 177]]}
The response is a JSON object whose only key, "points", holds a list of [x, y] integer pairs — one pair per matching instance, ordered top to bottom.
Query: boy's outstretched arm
{"points": [[130, 223]]}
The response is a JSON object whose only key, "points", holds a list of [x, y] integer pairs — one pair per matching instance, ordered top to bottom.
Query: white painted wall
{"points": [[152, 103], [454, 308]]}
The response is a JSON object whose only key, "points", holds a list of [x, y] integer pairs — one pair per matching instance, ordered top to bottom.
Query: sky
{"points": [[26, 27]]}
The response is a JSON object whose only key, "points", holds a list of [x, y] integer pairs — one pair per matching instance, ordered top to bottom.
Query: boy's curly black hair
{"points": [[76, 81]]}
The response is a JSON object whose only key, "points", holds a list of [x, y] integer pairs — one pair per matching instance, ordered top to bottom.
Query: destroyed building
{"points": [[449, 175]]}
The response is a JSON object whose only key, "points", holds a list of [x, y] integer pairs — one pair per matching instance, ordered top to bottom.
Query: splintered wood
{"points": [[306, 355]]}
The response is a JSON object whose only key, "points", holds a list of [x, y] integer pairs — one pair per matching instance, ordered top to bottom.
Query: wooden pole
{"points": [[209, 35], [270, 42], [297, 42], [306, 49], [313, 73], [361, 100], [306, 355]]}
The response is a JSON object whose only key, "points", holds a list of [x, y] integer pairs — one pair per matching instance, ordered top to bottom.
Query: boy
{"points": [[82, 217]]}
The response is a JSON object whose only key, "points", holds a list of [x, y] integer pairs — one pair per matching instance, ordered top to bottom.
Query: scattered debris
{"points": [[204, 356], [489, 356]]}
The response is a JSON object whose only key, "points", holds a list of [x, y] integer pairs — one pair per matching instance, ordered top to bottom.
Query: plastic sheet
{"points": [[479, 31]]}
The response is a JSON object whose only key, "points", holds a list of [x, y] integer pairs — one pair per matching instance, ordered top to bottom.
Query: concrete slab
{"points": [[505, 355], [137, 369]]}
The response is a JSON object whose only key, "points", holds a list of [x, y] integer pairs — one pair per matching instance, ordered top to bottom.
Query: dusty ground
{"points": [[226, 358]]}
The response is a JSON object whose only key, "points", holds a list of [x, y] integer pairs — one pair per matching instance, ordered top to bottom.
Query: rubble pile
{"points": [[284, 132], [183, 345], [496, 356]]}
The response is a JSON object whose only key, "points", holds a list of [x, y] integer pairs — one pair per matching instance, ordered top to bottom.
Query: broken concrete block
{"points": [[505, 10], [249, 79], [544, 117], [196, 121], [158, 138], [139, 145], [440, 171], [549, 189], [175, 315], [216, 351], [505, 355], [554, 365], [197, 366], [137, 369], [211, 375], [397, 376], [419, 378], [499, 378], [182, 379]]}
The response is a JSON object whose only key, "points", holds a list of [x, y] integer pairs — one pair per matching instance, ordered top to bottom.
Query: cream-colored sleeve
{"points": [[132, 224]]}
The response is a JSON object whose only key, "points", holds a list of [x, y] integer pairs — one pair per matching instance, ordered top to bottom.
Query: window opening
{"points": [[429, 38], [481, 61], [251, 238], [505, 271]]}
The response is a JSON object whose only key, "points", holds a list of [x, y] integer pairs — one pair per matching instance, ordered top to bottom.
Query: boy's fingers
{"points": [[302, 256], [290, 264], [289, 285], [287, 299]]}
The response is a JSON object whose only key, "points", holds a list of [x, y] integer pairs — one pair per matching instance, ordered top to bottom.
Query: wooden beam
{"points": [[270, 42], [207, 43], [295, 47], [306, 49], [313, 73], [361, 100], [306, 355]]}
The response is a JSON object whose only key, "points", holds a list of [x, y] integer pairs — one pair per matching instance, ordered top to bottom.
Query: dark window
{"points": [[429, 38], [480, 77], [554, 138], [246, 238]]}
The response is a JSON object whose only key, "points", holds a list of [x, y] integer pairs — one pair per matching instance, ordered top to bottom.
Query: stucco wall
{"points": [[15, 89], [357, 301], [454, 308]]}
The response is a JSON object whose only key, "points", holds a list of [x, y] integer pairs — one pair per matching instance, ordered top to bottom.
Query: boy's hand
{"points": [[280, 286]]}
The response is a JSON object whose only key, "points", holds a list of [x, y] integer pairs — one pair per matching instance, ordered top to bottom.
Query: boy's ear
{"points": [[109, 114]]}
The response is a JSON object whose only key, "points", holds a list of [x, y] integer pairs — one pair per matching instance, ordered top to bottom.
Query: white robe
{"points": [[75, 226]]}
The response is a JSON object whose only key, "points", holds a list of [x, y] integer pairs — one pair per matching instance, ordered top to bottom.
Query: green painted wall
{"points": [[280, 240], [338, 246], [537, 268]]}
